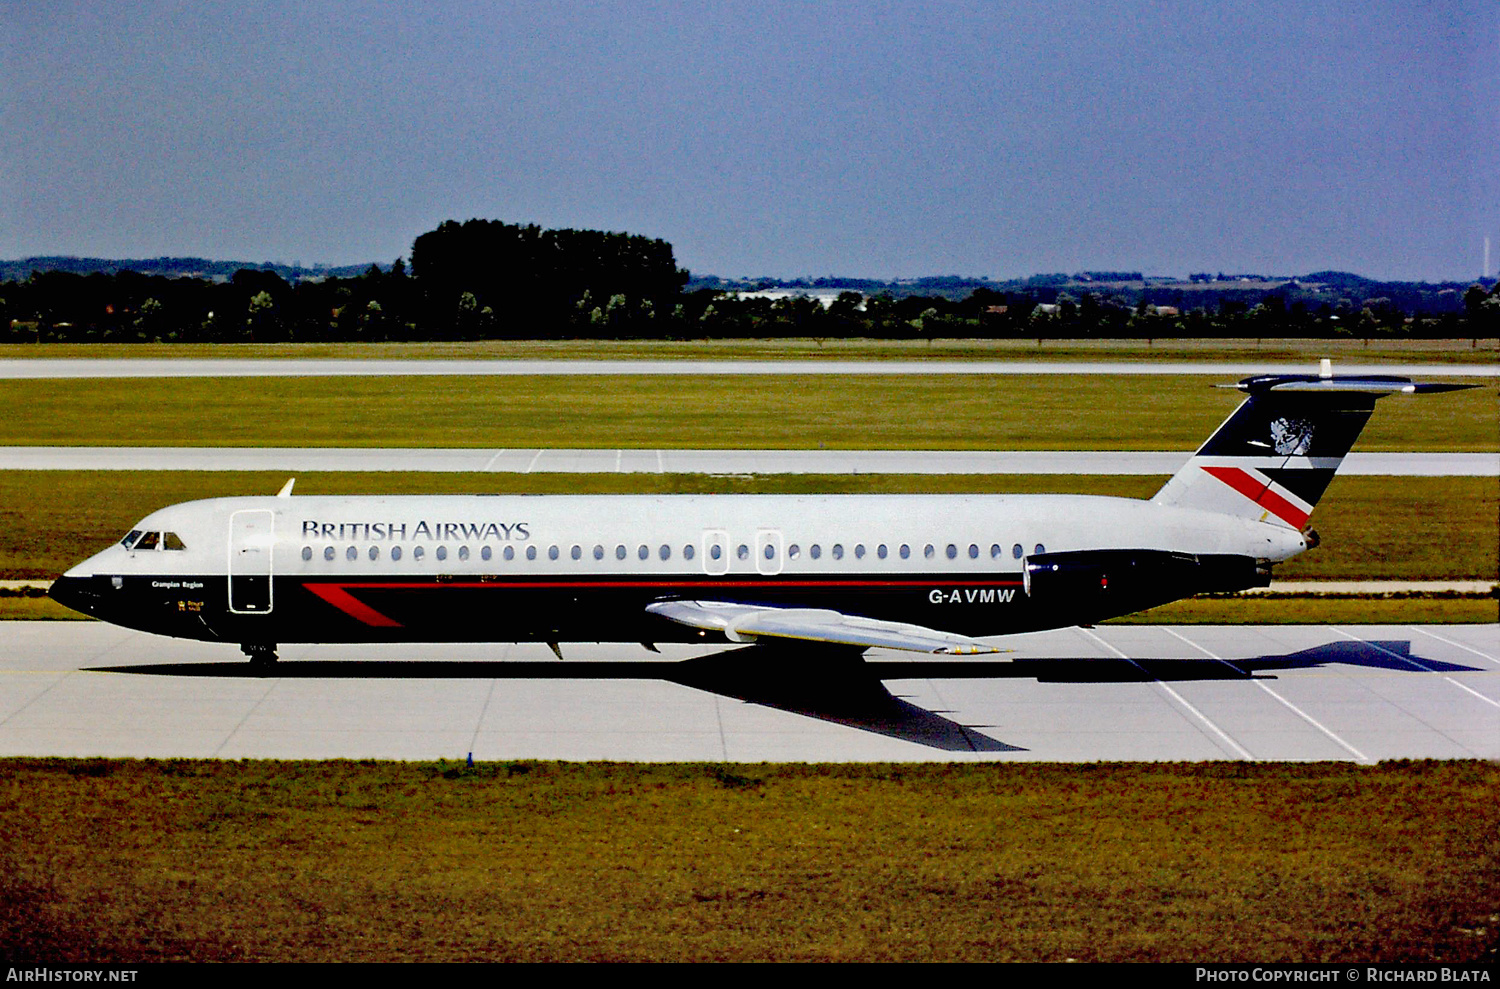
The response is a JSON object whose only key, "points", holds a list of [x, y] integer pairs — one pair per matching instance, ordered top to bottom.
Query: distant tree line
{"points": [[485, 279]]}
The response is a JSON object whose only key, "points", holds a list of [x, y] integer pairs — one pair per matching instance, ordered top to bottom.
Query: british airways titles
{"points": [[402, 531]]}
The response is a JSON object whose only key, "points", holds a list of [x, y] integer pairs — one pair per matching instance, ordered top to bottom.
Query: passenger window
{"points": [[170, 541], [1040, 549], [666, 551], [687, 551], [715, 551], [770, 551], [793, 551], [816, 551], [838, 551], [859, 551], [880, 551], [928, 551], [952, 551], [973, 551], [994, 551], [1016, 551], [327, 552], [374, 552], [395, 552], [442, 552], [531, 552], [551, 552], [576, 552], [598, 552], [620, 552], [642, 552], [743, 552], [905, 552], [307, 553], [352, 553], [418, 553], [463, 553], [510, 553], [485, 554]]}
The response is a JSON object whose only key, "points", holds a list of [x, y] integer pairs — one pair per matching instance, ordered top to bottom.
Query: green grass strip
{"points": [[897, 412]]}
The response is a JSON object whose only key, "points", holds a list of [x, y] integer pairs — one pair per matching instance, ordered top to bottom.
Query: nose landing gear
{"points": [[262, 655]]}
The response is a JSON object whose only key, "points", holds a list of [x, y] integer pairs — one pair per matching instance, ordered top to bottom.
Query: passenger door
{"points": [[251, 537]]}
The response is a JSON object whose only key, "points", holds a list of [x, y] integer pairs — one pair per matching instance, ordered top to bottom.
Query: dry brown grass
{"points": [[321, 861]]}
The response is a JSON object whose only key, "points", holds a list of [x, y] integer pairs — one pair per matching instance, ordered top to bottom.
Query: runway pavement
{"points": [[83, 367], [593, 461], [1362, 693]]}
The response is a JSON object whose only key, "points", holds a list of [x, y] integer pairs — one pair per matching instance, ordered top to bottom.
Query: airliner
{"points": [[937, 574]]}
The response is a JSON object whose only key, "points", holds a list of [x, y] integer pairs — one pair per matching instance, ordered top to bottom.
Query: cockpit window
{"points": [[130, 539], [148, 541], [171, 541]]}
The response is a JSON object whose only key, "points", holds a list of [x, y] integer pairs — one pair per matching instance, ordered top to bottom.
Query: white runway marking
{"points": [[1434, 635], [1421, 666], [1277, 697], [1238, 749]]}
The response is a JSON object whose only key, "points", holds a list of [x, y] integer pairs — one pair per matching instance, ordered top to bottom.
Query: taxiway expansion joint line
{"points": [[534, 459], [491, 465], [1433, 635], [1421, 666], [1282, 700], [253, 708], [483, 710], [1237, 747]]}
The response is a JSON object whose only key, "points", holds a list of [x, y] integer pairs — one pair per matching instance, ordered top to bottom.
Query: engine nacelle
{"points": [[1107, 582]]}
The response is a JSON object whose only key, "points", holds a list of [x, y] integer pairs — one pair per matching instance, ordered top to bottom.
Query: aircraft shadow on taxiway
{"points": [[840, 687]]}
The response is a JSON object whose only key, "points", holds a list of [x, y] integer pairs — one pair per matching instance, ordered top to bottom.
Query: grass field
{"points": [[940, 412], [111, 860]]}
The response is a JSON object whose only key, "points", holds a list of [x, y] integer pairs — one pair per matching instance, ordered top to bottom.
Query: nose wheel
{"points": [[262, 656]]}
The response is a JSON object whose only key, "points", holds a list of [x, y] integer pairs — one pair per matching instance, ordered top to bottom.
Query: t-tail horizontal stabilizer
{"points": [[1275, 456]]}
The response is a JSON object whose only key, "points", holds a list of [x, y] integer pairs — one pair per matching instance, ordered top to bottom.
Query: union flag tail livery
{"points": [[1274, 457], [919, 572]]}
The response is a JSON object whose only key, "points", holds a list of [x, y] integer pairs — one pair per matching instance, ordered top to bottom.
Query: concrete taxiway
{"points": [[85, 367], [599, 461], [1361, 693]]}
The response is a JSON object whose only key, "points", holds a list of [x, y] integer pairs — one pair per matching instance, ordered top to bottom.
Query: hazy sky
{"points": [[873, 139]]}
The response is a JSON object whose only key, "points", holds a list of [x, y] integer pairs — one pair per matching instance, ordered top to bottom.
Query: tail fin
{"points": [[1275, 456]]}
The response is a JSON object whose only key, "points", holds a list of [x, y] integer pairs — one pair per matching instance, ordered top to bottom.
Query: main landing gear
{"points": [[262, 656]]}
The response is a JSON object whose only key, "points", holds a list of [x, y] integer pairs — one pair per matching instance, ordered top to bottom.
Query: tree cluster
{"points": [[484, 279]]}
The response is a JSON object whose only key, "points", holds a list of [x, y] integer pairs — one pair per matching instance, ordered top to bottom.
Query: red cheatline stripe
{"points": [[1260, 492], [338, 595], [341, 599]]}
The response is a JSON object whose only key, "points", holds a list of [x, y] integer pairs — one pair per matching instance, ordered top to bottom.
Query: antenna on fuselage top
{"points": [[286, 489]]}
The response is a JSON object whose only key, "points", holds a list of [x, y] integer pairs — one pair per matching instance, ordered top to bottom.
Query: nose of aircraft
{"points": [[77, 593]]}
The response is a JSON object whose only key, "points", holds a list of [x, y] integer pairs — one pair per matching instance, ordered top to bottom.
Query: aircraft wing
{"points": [[747, 623]]}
